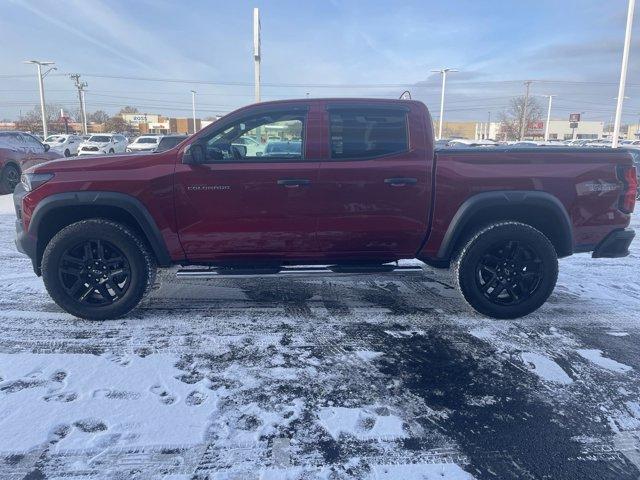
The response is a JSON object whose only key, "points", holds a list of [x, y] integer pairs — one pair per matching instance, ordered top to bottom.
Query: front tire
{"points": [[67, 153], [9, 178], [97, 269], [506, 270]]}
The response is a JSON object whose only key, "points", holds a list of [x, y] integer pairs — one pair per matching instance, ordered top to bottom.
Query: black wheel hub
{"points": [[13, 177], [95, 272], [509, 273]]}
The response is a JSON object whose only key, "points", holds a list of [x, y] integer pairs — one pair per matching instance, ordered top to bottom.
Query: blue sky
{"points": [[329, 48]]}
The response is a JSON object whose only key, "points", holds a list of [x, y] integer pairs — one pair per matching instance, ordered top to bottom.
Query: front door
{"points": [[375, 182], [250, 203]]}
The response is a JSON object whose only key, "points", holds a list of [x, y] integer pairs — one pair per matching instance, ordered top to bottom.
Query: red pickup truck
{"points": [[351, 184]]}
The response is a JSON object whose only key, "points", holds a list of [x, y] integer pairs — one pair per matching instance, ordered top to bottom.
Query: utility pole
{"points": [[256, 53], [443, 72], [623, 73], [41, 76], [80, 86], [193, 109], [84, 112], [523, 122], [488, 126], [546, 127]]}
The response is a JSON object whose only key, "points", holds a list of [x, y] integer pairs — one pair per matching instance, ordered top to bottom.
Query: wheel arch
{"points": [[59, 210], [540, 210]]}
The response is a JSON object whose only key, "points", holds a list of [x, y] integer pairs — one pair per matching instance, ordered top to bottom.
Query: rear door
{"points": [[375, 180], [246, 203]]}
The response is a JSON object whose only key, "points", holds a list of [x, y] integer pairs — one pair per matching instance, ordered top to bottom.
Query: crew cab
{"points": [[353, 186]]}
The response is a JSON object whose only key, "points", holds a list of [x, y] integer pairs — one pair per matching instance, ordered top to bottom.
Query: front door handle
{"points": [[400, 181], [293, 182]]}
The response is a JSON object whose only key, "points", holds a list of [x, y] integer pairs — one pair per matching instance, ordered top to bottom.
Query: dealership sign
{"points": [[574, 117]]}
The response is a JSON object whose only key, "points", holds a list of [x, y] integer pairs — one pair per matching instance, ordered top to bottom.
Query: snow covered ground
{"points": [[363, 377]]}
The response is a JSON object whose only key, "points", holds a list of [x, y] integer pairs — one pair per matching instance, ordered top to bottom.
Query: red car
{"points": [[19, 151], [349, 186]]}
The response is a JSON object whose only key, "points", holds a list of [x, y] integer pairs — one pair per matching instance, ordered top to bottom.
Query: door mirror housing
{"points": [[46, 147], [194, 154]]}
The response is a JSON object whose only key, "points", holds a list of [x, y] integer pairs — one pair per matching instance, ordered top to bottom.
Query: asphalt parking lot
{"points": [[336, 378]]}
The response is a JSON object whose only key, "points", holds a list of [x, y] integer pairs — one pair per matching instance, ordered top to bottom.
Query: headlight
{"points": [[31, 181]]}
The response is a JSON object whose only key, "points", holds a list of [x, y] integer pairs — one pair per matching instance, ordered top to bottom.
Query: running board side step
{"points": [[302, 271]]}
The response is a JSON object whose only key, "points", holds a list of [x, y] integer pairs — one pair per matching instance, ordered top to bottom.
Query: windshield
{"points": [[55, 138], [99, 138], [147, 140]]}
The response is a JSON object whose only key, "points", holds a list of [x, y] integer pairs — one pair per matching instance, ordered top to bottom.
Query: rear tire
{"points": [[9, 178], [97, 269], [506, 270]]}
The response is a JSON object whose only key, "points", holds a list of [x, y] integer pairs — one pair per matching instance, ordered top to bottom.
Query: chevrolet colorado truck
{"points": [[345, 186]]}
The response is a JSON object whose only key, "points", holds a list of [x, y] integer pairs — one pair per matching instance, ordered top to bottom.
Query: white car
{"points": [[103, 143], [144, 143], [64, 144], [253, 146]]}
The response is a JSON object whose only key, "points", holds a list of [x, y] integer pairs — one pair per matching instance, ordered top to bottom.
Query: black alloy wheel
{"points": [[506, 269], [95, 272], [509, 273]]}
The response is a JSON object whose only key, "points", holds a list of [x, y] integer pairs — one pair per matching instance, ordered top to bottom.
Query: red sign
{"points": [[536, 126]]}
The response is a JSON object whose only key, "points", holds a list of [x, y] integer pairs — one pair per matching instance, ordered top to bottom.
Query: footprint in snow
{"points": [[58, 376], [115, 394], [163, 395], [63, 397], [195, 398], [90, 425]]}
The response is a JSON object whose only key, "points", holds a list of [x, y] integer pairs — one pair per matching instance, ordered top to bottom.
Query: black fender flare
{"points": [[499, 198], [130, 204]]}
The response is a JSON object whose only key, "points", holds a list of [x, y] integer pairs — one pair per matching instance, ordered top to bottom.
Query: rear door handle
{"points": [[400, 181], [293, 182]]}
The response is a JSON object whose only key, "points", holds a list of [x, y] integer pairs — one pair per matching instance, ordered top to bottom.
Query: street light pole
{"points": [[256, 53], [443, 72], [623, 73], [41, 76], [193, 109], [546, 127]]}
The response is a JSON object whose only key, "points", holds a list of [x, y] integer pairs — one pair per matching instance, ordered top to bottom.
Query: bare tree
{"points": [[127, 109], [99, 116], [511, 118], [117, 124]]}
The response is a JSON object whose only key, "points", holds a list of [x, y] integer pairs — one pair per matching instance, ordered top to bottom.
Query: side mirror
{"points": [[46, 147], [194, 154]]}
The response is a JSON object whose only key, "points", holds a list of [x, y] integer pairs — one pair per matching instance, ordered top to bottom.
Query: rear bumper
{"points": [[24, 242], [615, 245]]}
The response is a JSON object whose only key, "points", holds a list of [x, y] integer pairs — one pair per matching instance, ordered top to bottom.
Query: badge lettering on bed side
{"points": [[203, 188]]}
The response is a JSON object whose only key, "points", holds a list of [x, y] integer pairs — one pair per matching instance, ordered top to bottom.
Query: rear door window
{"points": [[367, 132]]}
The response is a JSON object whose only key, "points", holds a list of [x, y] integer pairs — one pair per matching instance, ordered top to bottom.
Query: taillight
{"points": [[629, 177]]}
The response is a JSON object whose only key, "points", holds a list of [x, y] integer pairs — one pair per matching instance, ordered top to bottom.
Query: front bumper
{"points": [[24, 242], [615, 245]]}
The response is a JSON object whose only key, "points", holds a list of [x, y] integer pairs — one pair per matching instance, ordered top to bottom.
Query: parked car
{"points": [[167, 142], [103, 143], [144, 143], [464, 143], [64, 144], [252, 145], [278, 148], [18, 152], [362, 190]]}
